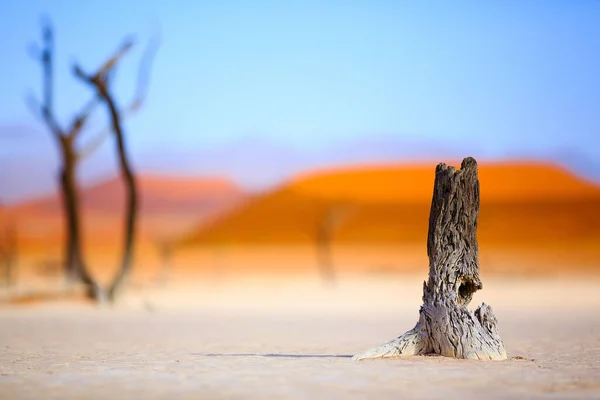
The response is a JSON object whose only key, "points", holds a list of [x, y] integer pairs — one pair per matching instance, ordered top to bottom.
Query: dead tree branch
{"points": [[100, 83], [141, 91], [65, 138]]}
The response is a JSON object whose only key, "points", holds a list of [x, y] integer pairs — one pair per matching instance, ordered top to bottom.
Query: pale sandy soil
{"points": [[270, 338]]}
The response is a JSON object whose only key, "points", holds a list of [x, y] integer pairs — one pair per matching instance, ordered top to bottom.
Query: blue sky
{"points": [[258, 90]]}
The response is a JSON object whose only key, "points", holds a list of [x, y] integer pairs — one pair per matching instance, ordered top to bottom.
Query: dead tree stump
{"points": [[446, 327]]}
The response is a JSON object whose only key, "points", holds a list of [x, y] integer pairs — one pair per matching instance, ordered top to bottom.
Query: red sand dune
{"points": [[158, 194], [523, 204], [168, 206]]}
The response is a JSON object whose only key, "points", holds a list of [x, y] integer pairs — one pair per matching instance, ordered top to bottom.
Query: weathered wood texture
{"points": [[446, 327]]}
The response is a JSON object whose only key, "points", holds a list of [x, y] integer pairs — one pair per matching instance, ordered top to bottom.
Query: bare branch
{"points": [[125, 47], [47, 59], [144, 73], [102, 74], [89, 79], [141, 89], [34, 106], [46, 109], [41, 112], [81, 119], [51, 122], [100, 137], [93, 145]]}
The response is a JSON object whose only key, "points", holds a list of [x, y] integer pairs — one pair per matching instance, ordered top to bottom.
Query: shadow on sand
{"points": [[272, 355]]}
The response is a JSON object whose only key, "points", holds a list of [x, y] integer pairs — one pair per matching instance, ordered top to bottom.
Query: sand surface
{"points": [[264, 338]]}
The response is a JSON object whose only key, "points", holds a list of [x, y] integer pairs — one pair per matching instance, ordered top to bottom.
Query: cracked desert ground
{"points": [[267, 337]]}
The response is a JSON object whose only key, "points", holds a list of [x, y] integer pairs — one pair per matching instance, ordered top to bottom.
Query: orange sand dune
{"points": [[414, 183], [522, 205], [533, 217]]}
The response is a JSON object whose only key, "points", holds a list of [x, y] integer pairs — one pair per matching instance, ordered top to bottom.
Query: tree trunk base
{"points": [[471, 336], [409, 344]]}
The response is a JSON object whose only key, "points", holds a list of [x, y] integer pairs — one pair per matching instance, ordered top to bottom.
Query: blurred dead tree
{"points": [[100, 82], [66, 139], [71, 154], [333, 217], [164, 248], [8, 254]]}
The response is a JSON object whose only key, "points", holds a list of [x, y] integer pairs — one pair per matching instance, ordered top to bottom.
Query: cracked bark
{"points": [[446, 327]]}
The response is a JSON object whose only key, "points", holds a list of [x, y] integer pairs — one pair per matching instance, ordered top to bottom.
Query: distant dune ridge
{"points": [[414, 183], [159, 194], [522, 203], [168, 206], [534, 209]]}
